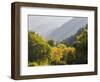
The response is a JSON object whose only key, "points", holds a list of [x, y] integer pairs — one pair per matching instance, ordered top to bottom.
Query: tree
{"points": [[51, 42], [81, 44], [61, 46], [38, 49], [56, 55], [69, 55]]}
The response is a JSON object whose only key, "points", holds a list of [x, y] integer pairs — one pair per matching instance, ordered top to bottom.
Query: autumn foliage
{"points": [[43, 52]]}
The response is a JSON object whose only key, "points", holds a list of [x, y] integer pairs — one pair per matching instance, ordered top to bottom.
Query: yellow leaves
{"points": [[62, 46], [70, 50], [56, 51], [56, 54], [69, 55]]}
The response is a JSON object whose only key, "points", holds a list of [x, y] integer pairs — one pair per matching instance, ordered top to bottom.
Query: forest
{"points": [[42, 52]]}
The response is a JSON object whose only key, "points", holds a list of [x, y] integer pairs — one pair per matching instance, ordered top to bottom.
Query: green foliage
{"points": [[51, 42], [81, 45], [62, 46], [38, 49], [43, 52], [69, 55], [32, 64]]}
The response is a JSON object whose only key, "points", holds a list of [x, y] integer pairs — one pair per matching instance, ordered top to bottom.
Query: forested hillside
{"points": [[47, 52]]}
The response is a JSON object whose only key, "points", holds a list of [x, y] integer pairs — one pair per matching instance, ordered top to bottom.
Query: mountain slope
{"points": [[68, 29], [72, 38]]}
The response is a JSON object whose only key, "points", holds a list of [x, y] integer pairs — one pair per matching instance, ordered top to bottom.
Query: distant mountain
{"points": [[45, 25], [68, 29], [72, 38]]}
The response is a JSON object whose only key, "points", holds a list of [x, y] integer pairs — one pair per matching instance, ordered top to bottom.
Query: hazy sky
{"points": [[37, 22]]}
